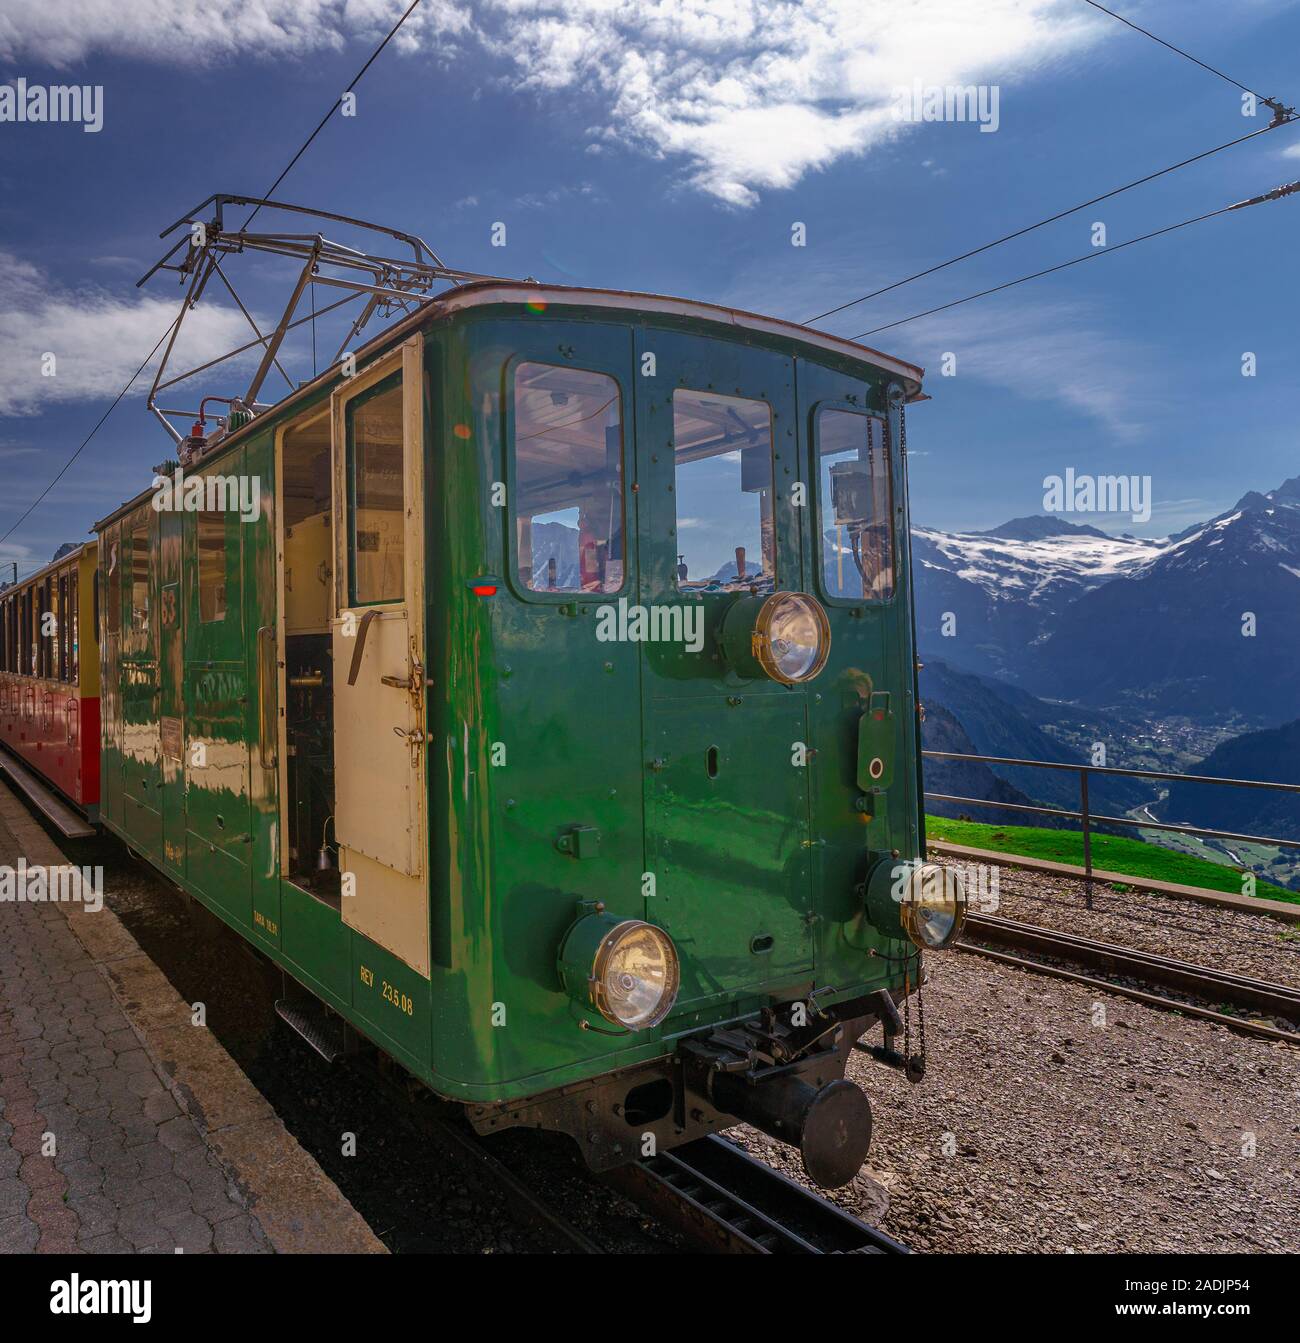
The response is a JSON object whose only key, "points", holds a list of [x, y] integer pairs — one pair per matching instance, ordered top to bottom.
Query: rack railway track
{"points": [[1000, 939], [726, 1201]]}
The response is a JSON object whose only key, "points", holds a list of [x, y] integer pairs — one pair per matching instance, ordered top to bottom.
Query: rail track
{"points": [[992, 937], [712, 1194], [726, 1201]]}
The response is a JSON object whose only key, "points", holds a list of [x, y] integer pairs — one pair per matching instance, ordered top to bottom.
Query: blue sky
{"points": [[670, 147]]}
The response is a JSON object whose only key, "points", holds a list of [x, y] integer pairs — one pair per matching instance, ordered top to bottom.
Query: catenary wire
{"points": [[1177, 50], [338, 102], [1051, 219], [1088, 256]]}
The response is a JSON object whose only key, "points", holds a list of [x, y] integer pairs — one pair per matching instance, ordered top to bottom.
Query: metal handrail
{"points": [[1088, 817]]}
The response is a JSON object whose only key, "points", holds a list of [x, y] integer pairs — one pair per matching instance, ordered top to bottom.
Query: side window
{"points": [[722, 474], [567, 477], [376, 480], [855, 502], [210, 533], [139, 556], [114, 561], [47, 627], [74, 630], [65, 650]]}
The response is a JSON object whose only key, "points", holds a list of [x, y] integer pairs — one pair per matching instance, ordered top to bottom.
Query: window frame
{"points": [[389, 382], [771, 448], [199, 518], [818, 531], [542, 596], [46, 606], [73, 617], [141, 631], [63, 653]]}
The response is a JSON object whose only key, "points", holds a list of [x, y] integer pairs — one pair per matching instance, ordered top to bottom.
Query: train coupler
{"points": [[796, 1092]]}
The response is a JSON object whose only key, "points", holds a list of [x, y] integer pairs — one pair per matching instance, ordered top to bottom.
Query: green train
{"points": [[537, 690]]}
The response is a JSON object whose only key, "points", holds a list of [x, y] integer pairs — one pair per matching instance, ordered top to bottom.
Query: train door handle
{"points": [[363, 629]]}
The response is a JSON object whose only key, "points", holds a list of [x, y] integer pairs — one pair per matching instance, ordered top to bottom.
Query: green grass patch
{"points": [[1110, 852]]}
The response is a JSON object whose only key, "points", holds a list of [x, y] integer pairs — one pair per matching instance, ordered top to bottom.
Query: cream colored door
{"points": [[377, 636]]}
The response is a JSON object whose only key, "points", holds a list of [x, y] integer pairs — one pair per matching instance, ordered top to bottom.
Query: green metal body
{"points": [[751, 865]]}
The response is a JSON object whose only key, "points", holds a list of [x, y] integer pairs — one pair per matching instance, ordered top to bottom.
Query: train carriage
{"points": [[49, 685], [540, 697]]}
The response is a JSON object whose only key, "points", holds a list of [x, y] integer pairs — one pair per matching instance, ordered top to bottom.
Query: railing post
{"points": [[1087, 837]]}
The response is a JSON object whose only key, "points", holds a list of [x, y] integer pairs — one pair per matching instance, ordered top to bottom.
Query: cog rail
{"points": [[728, 1202]]}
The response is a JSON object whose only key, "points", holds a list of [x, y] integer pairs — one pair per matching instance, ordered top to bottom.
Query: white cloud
{"points": [[210, 31], [756, 93], [751, 94], [97, 338]]}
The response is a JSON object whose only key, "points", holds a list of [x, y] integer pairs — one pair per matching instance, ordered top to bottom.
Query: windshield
{"points": [[722, 474]]}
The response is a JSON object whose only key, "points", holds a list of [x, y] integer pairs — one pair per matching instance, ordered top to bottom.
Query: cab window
{"points": [[376, 479], [567, 480], [722, 484], [855, 502]]}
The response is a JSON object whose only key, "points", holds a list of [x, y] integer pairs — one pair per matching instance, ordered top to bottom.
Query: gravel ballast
{"points": [[1053, 1118]]}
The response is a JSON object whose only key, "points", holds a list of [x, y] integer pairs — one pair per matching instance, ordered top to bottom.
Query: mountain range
{"points": [[1201, 624], [1273, 755]]}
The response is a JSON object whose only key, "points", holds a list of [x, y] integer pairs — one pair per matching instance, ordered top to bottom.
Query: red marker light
{"points": [[461, 430], [484, 589]]}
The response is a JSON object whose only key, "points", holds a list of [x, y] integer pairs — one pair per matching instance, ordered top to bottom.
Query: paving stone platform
{"points": [[123, 1127]]}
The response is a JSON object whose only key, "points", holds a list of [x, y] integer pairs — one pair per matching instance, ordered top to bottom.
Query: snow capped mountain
{"points": [[1048, 569], [982, 597], [1200, 623], [1209, 626]]}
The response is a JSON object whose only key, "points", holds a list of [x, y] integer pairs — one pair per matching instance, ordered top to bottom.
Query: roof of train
{"points": [[484, 292], [69, 558]]}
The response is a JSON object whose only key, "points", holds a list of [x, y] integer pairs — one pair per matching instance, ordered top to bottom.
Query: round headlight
{"points": [[785, 636], [792, 637], [921, 901], [934, 906], [626, 969]]}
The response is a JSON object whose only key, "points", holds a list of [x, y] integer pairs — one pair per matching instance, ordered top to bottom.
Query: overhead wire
{"points": [[1282, 116], [302, 149], [1276, 194]]}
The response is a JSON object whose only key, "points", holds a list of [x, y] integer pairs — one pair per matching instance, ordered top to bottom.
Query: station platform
{"points": [[125, 1128]]}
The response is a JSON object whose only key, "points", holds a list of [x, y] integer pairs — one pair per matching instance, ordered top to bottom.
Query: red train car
{"points": [[49, 680]]}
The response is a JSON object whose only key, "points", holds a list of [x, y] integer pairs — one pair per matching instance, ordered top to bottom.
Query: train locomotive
{"points": [[547, 711]]}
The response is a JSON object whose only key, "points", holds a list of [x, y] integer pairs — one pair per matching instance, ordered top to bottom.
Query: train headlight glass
{"points": [[785, 636], [792, 637], [933, 908], [626, 969]]}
